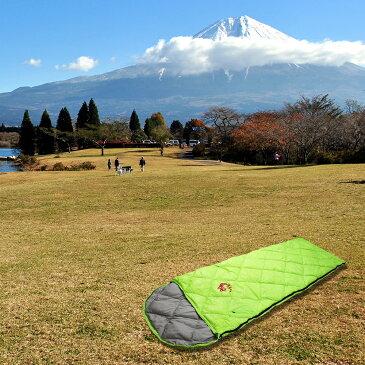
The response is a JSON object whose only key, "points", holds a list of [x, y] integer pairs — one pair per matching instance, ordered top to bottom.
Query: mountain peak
{"points": [[241, 27]]}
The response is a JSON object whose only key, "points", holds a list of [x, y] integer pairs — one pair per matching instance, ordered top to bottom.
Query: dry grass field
{"points": [[80, 251]]}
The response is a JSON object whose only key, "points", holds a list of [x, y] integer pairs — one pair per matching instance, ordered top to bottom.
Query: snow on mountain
{"points": [[241, 27], [225, 78]]}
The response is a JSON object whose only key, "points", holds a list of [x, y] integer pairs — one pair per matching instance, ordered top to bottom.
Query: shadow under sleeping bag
{"points": [[200, 307]]}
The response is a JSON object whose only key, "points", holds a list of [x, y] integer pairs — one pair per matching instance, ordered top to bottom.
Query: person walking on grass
{"points": [[142, 163], [109, 164], [116, 164]]}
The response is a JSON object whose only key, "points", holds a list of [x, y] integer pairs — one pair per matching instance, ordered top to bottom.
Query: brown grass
{"points": [[81, 251]]}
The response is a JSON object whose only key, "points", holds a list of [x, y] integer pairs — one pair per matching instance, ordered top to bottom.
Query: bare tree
{"points": [[319, 105], [353, 106], [224, 120], [310, 123], [355, 131], [307, 132], [347, 133]]}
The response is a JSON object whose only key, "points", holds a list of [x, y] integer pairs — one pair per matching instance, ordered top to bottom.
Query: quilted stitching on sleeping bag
{"points": [[230, 293], [215, 300], [174, 318]]}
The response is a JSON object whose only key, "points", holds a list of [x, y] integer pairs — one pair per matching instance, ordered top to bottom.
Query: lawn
{"points": [[81, 250]]}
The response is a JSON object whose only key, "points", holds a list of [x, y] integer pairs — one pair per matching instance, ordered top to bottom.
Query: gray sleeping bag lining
{"points": [[175, 319]]}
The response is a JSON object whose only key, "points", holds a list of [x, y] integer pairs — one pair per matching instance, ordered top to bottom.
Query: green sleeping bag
{"points": [[200, 307]]}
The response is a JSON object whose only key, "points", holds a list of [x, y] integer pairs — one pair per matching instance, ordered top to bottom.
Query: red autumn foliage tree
{"points": [[195, 129], [263, 132]]}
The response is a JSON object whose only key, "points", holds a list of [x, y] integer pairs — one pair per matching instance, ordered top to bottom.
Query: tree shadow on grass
{"points": [[134, 152], [201, 164], [281, 167], [243, 168], [352, 182], [263, 317]]}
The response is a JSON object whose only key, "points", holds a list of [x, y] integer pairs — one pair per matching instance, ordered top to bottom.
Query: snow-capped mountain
{"points": [[241, 27], [152, 87]]}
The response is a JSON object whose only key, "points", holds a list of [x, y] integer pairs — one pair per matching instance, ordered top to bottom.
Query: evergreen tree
{"points": [[82, 116], [94, 119], [45, 120], [64, 122], [81, 124], [134, 124], [148, 126], [2, 128], [176, 129], [64, 130], [137, 134], [27, 136], [45, 138]]}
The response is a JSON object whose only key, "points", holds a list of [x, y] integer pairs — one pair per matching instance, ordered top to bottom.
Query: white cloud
{"points": [[187, 55], [113, 59], [33, 62], [83, 63]]}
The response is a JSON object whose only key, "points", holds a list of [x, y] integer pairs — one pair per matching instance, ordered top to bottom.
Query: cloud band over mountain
{"points": [[189, 56]]}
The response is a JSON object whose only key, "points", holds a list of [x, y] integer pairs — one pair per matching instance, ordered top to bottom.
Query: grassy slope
{"points": [[80, 252]]}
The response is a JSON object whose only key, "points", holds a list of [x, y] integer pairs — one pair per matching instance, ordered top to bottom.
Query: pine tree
{"points": [[82, 116], [94, 119], [64, 122], [82, 124], [134, 124], [148, 126], [2, 128], [65, 129], [176, 129], [137, 134], [27, 136], [45, 138]]}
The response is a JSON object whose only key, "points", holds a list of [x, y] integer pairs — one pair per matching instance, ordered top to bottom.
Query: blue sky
{"points": [[43, 40]]}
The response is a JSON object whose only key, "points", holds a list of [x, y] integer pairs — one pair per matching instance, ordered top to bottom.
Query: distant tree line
{"points": [[5, 129], [310, 130], [86, 131], [46, 139]]}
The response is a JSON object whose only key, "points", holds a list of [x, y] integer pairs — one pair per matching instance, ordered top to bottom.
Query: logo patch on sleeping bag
{"points": [[225, 287]]}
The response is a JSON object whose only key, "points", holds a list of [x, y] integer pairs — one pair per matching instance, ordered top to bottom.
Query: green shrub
{"points": [[335, 157], [323, 158], [27, 160], [87, 165], [59, 166], [74, 167]]}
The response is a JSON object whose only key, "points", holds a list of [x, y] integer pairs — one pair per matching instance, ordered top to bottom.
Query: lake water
{"points": [[8, 166]]}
